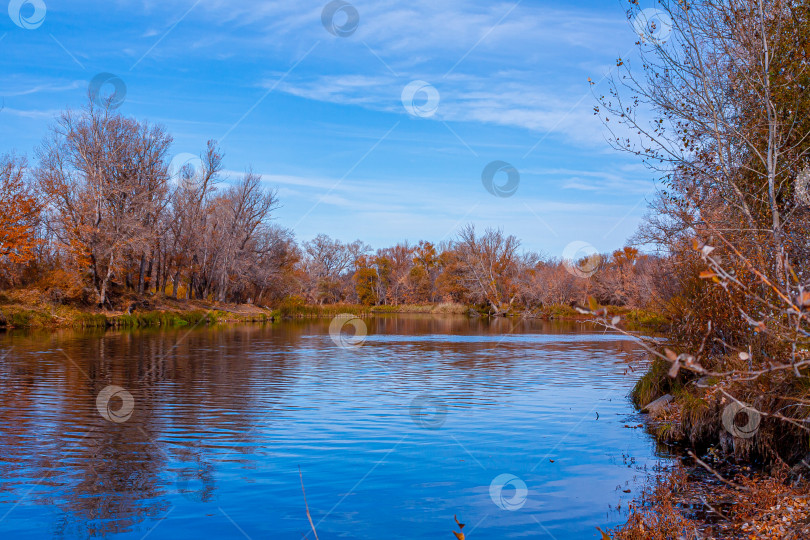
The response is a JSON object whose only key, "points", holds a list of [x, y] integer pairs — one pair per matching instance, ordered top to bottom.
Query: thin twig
{"points": [[715, 473], [712, 508], [309, 517]]}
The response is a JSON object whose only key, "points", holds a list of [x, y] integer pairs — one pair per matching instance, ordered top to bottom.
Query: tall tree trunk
{"points": [[141, 270], [150, 279], [192, 279], [175, 283], [102, 294]]}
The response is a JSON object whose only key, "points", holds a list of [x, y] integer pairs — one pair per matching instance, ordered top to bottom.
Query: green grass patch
{"points": [[560, 311], [16, 317], [168, 319], [640, 319], [91, 320], [654, 384]]}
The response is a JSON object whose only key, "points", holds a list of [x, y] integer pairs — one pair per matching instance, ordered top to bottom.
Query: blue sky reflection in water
{"points": [[393, 437]]}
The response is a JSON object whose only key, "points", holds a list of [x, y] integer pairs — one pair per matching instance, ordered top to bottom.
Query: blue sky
{"points": [[321, 117]]}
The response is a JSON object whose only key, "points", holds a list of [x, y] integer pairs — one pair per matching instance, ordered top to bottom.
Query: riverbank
{"points": [[31, 308], [632, 319], [742, 474], [720, 501]]}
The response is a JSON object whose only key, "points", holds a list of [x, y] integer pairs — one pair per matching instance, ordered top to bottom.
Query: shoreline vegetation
{"points": [[716, 103], [28, 309]]}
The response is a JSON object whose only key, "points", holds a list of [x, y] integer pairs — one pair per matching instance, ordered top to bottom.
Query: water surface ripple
{"points": [[430, 417]]}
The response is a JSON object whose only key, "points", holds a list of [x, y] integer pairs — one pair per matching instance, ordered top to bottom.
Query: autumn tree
{"points": [[717, 105], [719, 108], [105, 178], [19, 212], [237, 218], [181, 242], [329, 265], [394, 265], [489, 266], [424, 272], [267, 274], [450, 281], [366, 282], [551, 283]]}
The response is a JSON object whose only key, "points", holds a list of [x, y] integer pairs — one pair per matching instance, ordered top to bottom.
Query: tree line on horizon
{"points": [[100, 217]]}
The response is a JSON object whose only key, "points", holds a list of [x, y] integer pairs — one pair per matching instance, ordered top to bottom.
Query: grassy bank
{"points": [[28, 309], [298, 310], [15, 317], [632, 319], [697, 417]]}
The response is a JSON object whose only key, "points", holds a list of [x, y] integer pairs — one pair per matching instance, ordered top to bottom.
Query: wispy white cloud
{"points": [[433, 28], [518, 75], [15, 87], [497, 101], [44, 114], [623, 180]]}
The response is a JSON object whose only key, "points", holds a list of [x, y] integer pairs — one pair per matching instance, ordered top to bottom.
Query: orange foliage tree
{"points": [[19, 212]]}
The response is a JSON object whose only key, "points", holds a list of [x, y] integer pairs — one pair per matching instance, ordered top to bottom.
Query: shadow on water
{"points": [[199, 432]]}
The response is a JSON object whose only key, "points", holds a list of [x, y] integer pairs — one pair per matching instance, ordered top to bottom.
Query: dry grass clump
{"points": [[450, 308]]}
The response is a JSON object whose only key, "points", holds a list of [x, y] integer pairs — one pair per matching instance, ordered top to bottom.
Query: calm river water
{"points": [[199, 433]]}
